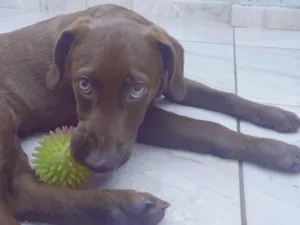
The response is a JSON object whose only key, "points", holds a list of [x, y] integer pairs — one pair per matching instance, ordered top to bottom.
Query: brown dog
{"points": [[102, 69]]}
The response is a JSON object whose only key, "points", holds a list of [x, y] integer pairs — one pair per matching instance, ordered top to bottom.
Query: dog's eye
{"points": [[85, 85], [137, 90]]}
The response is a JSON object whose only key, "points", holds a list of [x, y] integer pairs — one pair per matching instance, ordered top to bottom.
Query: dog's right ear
{"points": [[62, 49]]}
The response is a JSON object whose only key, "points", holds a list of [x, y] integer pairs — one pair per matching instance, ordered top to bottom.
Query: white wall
{"points": [[281, 3], [73, 5]]}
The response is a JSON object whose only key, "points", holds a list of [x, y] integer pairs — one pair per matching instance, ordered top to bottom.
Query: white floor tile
{"points": [[9, 12], [267, 38], [210, 64], [269, 75], [193, 184], [272, 198]]}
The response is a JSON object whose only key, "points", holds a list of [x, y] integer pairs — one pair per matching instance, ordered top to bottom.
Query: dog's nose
{"points": [[100, 164]]}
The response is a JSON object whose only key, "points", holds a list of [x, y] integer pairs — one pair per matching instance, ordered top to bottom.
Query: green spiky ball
{"points": [[54, 164]]}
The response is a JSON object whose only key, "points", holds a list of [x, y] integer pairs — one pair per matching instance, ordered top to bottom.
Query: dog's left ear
{"points": [[62, 50], [173, 61]]}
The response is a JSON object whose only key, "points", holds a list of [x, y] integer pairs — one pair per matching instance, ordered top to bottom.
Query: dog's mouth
{"points": [[85, 150], [104, 166], [102, 171]]}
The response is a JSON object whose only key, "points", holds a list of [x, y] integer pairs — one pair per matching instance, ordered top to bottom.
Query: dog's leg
{"points": [[201, 96], [165, 129], [7, 154], [37, 202], [41, 203], [7, 218]]}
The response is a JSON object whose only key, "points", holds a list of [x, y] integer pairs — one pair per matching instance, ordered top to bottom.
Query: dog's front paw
{"points": [[276, 119], [277, 155], [136, 208]]}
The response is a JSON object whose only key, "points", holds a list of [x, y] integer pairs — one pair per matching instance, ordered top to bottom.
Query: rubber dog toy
{"points": [[54, 164]]}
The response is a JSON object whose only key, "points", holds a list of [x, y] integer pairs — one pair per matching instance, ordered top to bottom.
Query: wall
{"points": [[281, 3], [66, 5], [286, 14]]}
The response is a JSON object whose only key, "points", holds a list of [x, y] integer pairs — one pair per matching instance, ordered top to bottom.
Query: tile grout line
{"points": [[268, 47], [241, 171]]}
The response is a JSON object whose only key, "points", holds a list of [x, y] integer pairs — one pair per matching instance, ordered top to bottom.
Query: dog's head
{"points": [[116, 69]]}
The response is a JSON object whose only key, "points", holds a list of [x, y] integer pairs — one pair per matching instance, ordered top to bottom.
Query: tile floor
{"points": [[203, 189]]}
